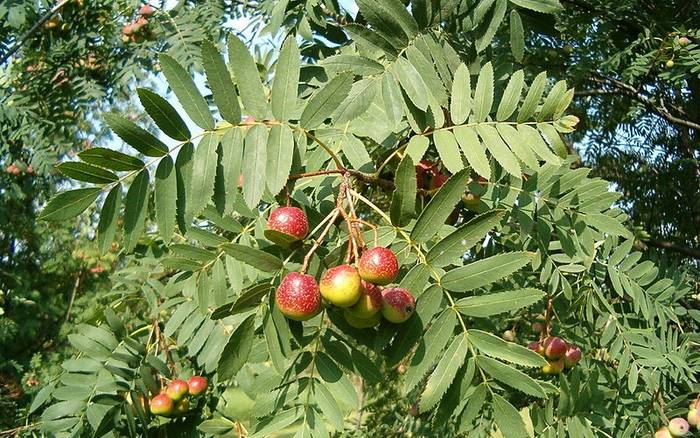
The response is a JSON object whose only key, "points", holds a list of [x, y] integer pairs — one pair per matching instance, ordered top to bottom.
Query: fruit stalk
{"points": [[331, 219]]}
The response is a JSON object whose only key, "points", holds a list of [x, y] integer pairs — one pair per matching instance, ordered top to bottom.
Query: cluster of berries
{"points": [[138, 29], [14, 169], [357, 290], [560, 354], [174, 401], [679, 427]]}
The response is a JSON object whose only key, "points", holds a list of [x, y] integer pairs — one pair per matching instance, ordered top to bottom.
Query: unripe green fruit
{"points": [[683, 41], [670, 63], [378, 265], [341, 285], [370, 302], [397, 304], [361, 323], [508, 335], [553, 367], [197, 385], [177, 389], [162, 405], [182, 407], [694, 416], [678, 427], [663, 433]]}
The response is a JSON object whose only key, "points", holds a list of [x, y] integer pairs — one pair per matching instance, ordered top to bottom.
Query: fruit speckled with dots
{"points": [[291, 221], [378, 265], [341, 285], [298, 297], [370, 302], [397, 304]]}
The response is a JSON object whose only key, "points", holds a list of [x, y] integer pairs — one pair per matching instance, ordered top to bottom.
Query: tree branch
{"points": [[33, 29], [660, 108], [664, 244]]}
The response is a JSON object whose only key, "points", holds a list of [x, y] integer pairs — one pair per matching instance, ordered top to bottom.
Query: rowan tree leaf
{"points": [[186, 92], [485, 271]]}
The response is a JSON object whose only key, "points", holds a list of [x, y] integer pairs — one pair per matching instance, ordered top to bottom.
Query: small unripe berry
{"points": [[683, 41], [670, 63], [370, 302], [361, 323], [537, 327], [508, 335], [536, 347], [553, 367], [182, 407], [694, 416], [678, 427], [663, 433]]}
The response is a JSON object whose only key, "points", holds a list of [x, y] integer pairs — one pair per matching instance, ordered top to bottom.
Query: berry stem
{"points": [[331, 218]]}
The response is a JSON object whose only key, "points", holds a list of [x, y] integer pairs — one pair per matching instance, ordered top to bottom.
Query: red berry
{"points": [[146, 10], [290, 221], [378, 265], [298, 296], [397, 304], [536, 347], [554, 347], [572, 356], [197, 385], [177, 389], [162, 405], [678, 427]]}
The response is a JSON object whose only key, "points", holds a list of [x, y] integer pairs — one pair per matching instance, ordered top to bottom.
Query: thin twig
{"points": [[317, 242]]}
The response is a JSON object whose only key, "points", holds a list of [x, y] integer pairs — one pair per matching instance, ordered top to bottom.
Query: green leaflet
{"points": [[247, 78], [220, 82], [284, 87], [186, 91], [483, 93], [511, 96], [326, 100], [164, 115], [135, 136], [448, 149], [473, 150], [280, 151], [254, 170], [86, 172], [203, 174], [403, 201], [136, 203], [68, 204], [440, 207], [109, 215], [452, 247], [485, 271], [482, 306], [444, 373]]}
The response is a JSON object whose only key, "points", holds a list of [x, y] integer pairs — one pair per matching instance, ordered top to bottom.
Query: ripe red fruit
{"points": [[146, 10], [128, 29], [438, 180], [290, 222], [378, 265], [341, 285], [298, 296], [370, 302], [397, 304], [361, 323], [537, 327], [554, 347], [572, 356], [553, 367], [197, 385], [177, 389], [162, 405], [678, 427]]}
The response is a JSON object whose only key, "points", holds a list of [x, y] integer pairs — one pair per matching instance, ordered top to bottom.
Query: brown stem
{"points": [[317, 242], [76, 286], [547, 319]]}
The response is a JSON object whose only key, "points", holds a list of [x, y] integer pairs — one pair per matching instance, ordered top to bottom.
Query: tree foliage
{"points": [[517, 232]]}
